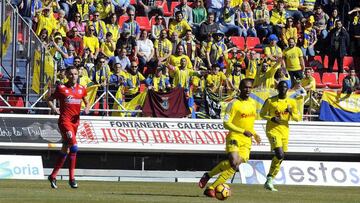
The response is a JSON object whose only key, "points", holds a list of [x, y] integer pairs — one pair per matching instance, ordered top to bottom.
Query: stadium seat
{"points": [[133, 2], [173, 5], [270, 7], [167, 13], [122, 19], [144, 23], [238, 41], [252, 42], [325, 62], [348, 62], [341, 77], [317, 78], [330, 80], [5, 86], [142, 87]]}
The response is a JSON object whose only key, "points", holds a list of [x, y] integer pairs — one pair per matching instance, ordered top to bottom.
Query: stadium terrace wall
{"points": [[168, 135]]}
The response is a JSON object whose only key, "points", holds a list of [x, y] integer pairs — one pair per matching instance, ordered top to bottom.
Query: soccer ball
{"points": [[222, 191]]}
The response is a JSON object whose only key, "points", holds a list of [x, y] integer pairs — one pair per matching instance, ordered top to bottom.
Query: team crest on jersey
{"points": [[79, 91], [165, 103]]}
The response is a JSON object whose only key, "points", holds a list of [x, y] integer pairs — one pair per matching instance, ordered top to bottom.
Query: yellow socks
{"points": [[222, 166], [275, 167], [223, 177]]}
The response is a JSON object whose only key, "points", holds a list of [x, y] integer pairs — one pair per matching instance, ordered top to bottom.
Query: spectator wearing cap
{"points": [[120, 6], [215, 6], [105, 8], [150, 8], [292, 9], [185, 10], [199, 15], [278, 17], [227, 19], [246, 20], [262, 20], [45, 21], [78, 24], [130, 24], [179, 25], [113, 27], [157, 27], [208, 27], [289, 31], [74, 39], [91, 42], [127, 42], [339, 42], [108, 46], [163, 48], [215, 50], [59, 51], [273, 51], [145, 52], [293, 60], [159, 82]]}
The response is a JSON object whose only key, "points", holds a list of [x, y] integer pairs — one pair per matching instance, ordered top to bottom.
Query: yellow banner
{"points": [[6, 36], [49, 70], [36, 72], [91, 94], [346, 102], [135, 104]]}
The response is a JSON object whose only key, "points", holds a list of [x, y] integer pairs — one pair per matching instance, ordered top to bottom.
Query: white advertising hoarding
{"points": [[21, 167], [303, 173]]}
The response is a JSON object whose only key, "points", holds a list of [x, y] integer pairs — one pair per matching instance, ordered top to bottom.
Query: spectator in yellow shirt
{"points": [[105, 9], [292, 9], [278, 17], [45, 21], [62, 24], [99, 25], [179, 25], [113, 27], [289, 31], [91, 42], [108, 47], [163, 47], [215, 49], [273, 52], [175, 59], [293, 61], [134, 78], [84, 80], [216, 80], [308, 82]]}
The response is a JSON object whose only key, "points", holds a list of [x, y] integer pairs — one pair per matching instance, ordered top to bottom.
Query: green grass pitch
{"points": [[129, 192]]}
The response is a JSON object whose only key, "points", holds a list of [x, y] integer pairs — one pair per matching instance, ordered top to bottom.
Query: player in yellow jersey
{"points": [[278, 110], [239, 120]]}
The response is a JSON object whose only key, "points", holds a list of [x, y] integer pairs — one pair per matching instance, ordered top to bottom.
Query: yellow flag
{"points": [[6, 36], [49, 69], [36, 72], [91, 94], [135, 104]]}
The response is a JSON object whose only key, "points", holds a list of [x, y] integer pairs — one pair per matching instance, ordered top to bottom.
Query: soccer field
{"points": [[89, 191]]}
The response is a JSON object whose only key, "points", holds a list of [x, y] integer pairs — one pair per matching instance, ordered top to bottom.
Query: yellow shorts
{"points": [[277, 140], [235, 145]]}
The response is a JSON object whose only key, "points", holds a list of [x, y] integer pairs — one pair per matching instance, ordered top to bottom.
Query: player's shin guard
{"points": [[73, 152], [59, 163], [222, 166], [275, 167], [223, 177]]}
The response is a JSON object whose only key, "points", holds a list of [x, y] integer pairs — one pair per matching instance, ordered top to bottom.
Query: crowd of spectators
{"points": [[193, 47]]}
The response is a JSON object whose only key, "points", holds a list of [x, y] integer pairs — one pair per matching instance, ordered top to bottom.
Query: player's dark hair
{"points": [[70, 68], [243, 81], [281, 82]]}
